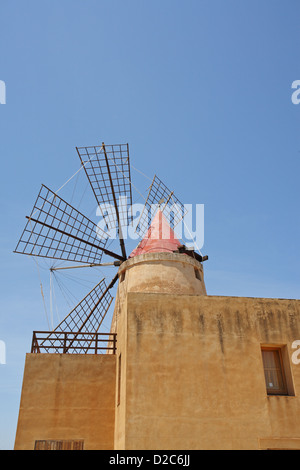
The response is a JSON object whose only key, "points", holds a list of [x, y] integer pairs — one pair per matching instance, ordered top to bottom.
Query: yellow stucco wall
{"points": [[193, 373], [67, 397]]}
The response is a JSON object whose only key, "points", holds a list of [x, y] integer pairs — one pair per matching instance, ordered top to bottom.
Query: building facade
{"points": [[190, 371]]}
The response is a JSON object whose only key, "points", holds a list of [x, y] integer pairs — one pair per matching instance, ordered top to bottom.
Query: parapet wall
{"points": [[67, 397]]}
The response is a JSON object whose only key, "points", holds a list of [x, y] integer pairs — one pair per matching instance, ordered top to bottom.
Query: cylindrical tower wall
{"points": [[162, 273]]}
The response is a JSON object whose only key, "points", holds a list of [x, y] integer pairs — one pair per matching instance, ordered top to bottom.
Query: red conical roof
{"points": [[159, 238]]}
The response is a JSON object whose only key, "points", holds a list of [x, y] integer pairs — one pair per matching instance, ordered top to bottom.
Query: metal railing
{"points": [[63, 342]]}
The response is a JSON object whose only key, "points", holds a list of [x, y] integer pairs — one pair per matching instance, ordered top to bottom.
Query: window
{"points": [[197, 274], [122, 276], [274, 371], [58, 445]]}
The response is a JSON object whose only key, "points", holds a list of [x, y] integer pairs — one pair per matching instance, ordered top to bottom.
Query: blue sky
{"points": [[201, 91]]}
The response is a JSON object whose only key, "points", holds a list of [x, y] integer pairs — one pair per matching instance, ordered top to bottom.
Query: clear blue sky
{"points": [[201, 91]]}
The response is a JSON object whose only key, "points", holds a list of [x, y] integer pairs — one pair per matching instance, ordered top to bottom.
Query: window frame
{"points": [[285, 390]]}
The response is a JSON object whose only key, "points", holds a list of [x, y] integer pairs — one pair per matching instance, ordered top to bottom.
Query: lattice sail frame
{"points": [[107, 168], [163, 199], [57, 230], [89, 313], [86, 317]]}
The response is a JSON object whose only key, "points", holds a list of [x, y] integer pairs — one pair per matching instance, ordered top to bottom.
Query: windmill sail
{"points": [[107, 168], [163, 199], [57, 230], [89, 313], [82, 323]]}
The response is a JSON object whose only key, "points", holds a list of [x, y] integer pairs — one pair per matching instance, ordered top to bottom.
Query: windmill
{"points": [[57, 230]]}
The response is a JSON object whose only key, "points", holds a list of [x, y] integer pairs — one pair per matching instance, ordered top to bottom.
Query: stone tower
{"points": [[158, 266]]}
